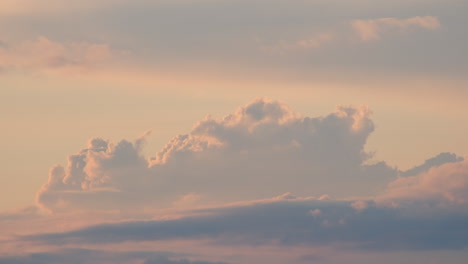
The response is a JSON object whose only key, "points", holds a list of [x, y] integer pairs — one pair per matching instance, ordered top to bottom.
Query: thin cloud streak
{"points": [[373, 29], [44, 54]]}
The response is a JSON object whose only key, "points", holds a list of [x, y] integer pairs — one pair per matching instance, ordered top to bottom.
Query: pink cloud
{"points": [[372, 29], [313, 42], [45, 54], [261, 150], [443, 185]]}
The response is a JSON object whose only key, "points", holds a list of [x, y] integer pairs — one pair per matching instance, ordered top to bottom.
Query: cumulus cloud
{"points": [[372, 29], [45, 54], [261, 150], [96, 176]]}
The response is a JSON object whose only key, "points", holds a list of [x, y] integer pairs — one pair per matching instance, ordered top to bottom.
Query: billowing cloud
{"points": [[372, 29], [44, 54], [261, 150], [96, 176]]}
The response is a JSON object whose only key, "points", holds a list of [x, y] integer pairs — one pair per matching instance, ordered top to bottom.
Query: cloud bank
{"points": [[291, 221], [79, 256]]}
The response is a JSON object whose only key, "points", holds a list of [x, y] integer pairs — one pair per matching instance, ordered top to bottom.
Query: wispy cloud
{"points": [[48, 7], [373, 29], [365, 30], [313, 42], [45, 54]]}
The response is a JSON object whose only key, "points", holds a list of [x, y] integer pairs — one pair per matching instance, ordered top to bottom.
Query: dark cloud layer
{"points": [[290, 222], [80, 256], [183, 261]]}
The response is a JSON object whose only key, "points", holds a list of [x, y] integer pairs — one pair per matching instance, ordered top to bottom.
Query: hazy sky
{"points": [[233, 131]]}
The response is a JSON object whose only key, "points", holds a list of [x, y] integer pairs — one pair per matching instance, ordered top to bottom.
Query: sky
{"points": [[233, 131]]}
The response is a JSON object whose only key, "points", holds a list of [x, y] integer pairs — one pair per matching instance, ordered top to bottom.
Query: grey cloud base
{"points": [[293, 222], [80, 256]]}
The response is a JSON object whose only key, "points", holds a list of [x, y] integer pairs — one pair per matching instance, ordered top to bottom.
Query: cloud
{"points": [[372, 29], [366, 30], [313, 42], [197, 46], [45, 54], [261, 150], [436, 161], [96, 176], [443, 185], [427, 211], [14, 215], [291, 222], [79, 256], [183, 261]]}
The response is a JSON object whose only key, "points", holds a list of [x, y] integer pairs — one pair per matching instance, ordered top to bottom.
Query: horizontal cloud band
{"points": [[291, 221]]}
